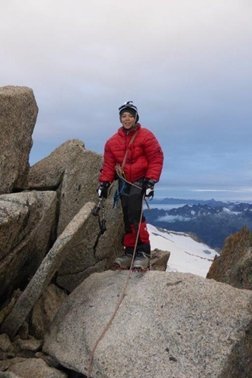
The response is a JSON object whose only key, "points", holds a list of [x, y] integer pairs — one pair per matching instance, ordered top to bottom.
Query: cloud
{"points": [[185, 64], [233, 190], [173, 218]]}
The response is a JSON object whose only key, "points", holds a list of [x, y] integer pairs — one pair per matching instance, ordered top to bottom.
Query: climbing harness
{"points": [[124, 181], [119, 191]]}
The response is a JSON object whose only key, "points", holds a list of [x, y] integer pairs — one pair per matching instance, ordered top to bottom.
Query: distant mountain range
{"points": [[176, 201], [210, 221]]}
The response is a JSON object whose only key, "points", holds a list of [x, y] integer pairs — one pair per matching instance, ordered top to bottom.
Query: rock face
{"points": [[18, 113], [73, 172], [26, 223], [83, 259], [159, 259], [234, 265], [45, 272], [45, 309], [168, 325], [239, 362], [35, 367]]}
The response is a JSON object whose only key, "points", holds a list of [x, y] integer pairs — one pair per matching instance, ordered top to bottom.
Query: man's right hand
{"points": [[102, 189]]}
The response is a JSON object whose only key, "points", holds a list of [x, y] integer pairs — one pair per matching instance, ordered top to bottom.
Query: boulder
{"points": [[18, 114], [73, 171], [27, 221], [84, 256], [159, 259], [234, 265], [45, 272], [6, 309], [45, 309], [168, 325], [5, 343], [30, 344], [6, 363], [35, 367], [8, 374]]}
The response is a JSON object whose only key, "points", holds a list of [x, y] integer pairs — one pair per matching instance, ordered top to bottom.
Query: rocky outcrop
{"points": [[18, 113], [73, 171], [27, 221], [92, 252], [159, 259], [234, 265], [45, 272], [45, 310], [168, 325], [175, 325], [26, 348], [24, 356], [239, 362], [34, 367], [9, 374]]}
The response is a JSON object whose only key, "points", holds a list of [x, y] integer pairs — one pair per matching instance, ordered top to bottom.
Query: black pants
{"points": [[132, 202]]}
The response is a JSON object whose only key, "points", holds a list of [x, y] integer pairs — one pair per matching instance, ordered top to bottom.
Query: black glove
{"points": [[148, 188], [102, 189]]}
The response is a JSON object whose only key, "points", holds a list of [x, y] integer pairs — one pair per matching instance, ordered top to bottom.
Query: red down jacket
{"points": [[144, 157]]}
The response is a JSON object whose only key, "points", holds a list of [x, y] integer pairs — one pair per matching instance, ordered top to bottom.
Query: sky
{"points": [[185, 64]]}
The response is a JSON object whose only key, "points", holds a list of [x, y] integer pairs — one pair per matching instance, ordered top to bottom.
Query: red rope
{"points": [[123, 294]]}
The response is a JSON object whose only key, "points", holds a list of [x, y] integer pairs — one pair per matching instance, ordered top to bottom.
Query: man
{"points": [[134, 157]]}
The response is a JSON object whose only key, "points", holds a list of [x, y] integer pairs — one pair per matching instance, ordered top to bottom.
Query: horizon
{"points": [[204, 195], [198, 199]]}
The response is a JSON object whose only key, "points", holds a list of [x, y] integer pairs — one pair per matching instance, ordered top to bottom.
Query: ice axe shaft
{"points": [[97, 208], [101, 221]]}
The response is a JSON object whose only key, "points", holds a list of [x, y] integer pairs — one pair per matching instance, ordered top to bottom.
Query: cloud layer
{"points": [[185, 64]]}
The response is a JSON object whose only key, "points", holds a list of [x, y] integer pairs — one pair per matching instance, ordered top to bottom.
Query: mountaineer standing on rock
{"points": [[133, 156]]}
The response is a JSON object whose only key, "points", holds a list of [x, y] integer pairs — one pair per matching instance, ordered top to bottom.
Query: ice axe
{"points": [[97, 207], [101, 221]]}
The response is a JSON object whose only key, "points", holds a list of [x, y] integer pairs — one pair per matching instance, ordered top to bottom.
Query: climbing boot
{"points": [[123, 262], [141, 262]]}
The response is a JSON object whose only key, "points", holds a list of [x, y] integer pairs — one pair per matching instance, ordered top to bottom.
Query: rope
{"points": [[120, 174], [123, 294]]}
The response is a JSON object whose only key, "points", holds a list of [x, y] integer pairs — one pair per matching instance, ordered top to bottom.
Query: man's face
{"points": [[127, 120]]}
